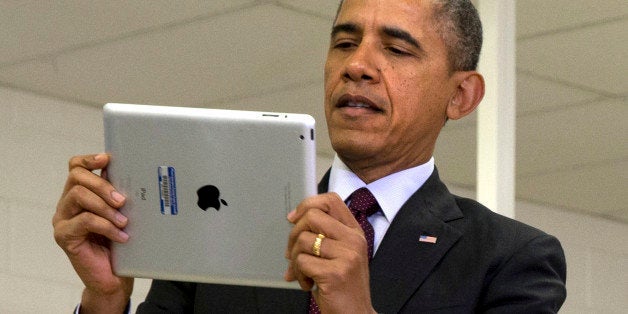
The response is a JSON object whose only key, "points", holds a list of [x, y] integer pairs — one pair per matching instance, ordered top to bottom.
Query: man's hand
{"points": [[85, 222], [341, 272]]}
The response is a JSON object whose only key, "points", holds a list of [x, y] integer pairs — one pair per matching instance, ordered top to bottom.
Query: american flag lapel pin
{"points": [[427, 239]]}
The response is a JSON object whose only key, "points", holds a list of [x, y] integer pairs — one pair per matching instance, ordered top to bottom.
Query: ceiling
{"points": [[572, 135]]}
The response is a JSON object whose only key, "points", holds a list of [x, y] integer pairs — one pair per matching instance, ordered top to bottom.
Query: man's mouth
{"points": [[355, 101], [356, 105]]}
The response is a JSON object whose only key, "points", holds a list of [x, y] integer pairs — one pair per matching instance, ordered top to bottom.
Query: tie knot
{"points": [[363, 201]]}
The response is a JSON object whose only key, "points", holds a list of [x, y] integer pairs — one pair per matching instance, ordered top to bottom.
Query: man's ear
{"points": [[468, 95]]}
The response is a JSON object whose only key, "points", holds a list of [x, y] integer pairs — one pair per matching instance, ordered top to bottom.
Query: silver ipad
{"points": [[208, 190]]}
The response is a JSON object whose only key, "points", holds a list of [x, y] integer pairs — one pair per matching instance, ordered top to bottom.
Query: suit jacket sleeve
{"points": [[531, 281], [169, 297], [186, 297]]}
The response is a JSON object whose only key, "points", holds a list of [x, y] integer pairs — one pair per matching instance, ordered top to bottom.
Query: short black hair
{"points": [[459, 25]]}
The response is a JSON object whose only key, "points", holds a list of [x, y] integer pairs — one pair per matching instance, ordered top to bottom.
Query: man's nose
{"points": [[362, 64]]}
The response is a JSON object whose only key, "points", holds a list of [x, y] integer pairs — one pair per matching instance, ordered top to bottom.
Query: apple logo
{"points": [[209, 196]]}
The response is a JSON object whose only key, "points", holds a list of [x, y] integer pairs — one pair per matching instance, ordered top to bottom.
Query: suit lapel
{"points": [[323, 185], [402, 262]]}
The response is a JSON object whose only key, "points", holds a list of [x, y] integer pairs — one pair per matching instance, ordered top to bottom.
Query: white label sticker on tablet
{"points": [[167, 190]]}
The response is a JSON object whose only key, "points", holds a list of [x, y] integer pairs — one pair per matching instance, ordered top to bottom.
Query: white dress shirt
{"points": [[391, 192]]}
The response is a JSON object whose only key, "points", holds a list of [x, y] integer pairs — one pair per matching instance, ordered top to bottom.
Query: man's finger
{"points": [[90, 162], [84, 177], [79, 199], [330, 203], [314, 221], [80, 226]]}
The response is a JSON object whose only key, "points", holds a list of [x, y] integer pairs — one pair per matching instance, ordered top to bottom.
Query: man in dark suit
{"points": [[396, 71], [481, 263]]}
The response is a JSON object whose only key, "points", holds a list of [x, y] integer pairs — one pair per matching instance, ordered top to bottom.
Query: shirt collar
{"points": [[391, 191]]}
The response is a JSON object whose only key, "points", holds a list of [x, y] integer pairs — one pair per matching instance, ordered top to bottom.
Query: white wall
{"points": [[38, 136]]}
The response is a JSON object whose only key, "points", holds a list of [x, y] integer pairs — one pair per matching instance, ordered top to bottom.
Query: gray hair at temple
{"points": [[458, 24]]}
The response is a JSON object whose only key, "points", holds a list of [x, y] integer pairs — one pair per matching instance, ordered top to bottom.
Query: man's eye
{"points": [[343, 45], [398, 51]]}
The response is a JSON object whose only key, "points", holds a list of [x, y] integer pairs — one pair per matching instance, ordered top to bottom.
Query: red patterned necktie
{"points": [[362, 204]]}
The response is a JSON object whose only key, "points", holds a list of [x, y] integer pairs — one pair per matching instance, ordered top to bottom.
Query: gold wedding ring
{"points": [[316, 247]]}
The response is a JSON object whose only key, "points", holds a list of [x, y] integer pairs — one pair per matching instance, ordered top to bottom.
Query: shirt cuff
{"points": [[127, 309]]}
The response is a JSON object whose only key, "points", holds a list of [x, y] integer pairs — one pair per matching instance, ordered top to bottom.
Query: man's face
{"points": [[387, 84]]}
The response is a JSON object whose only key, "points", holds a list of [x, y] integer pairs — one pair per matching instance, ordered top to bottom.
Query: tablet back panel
{"points": [[208, 190]]}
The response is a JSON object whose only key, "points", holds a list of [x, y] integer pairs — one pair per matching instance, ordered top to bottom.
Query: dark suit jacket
{"points": [[481, 262]]}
